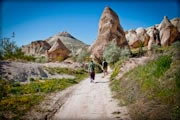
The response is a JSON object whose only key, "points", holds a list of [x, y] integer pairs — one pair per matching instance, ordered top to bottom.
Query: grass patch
{"points": [[117, 67], [79, 73], [142, 79], [16, 99], [16, 106]]}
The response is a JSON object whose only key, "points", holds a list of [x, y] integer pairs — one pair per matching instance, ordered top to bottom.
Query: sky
{"points": [[37, 20]]}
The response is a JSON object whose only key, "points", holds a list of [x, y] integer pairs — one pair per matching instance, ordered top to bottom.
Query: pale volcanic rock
{"points": [[176, 23], [109, 30], [168, 32], [36, 48], [58, 51]]}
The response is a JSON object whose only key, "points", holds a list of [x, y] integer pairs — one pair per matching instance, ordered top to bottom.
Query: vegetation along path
{"points": [[94, 100]]}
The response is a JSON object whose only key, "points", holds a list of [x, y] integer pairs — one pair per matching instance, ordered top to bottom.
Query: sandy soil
{"points": [[92, 101]]}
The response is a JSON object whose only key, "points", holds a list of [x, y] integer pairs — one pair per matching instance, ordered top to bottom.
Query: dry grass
{"points": [[149, 110]]}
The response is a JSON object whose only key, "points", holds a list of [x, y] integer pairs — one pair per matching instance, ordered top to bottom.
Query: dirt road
{"points": [[92, 101]]}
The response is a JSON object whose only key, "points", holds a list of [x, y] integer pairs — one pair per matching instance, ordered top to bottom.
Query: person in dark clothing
{"points": [[105, 66], [91, 69]]}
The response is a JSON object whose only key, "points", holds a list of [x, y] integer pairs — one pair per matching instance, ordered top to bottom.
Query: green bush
{"points": [[9, 50], [113, 53], [83, 56], [28, 58], [41, 59], [31, 79], [4, 88]]}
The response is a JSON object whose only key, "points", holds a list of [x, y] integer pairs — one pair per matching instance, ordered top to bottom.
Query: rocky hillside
{"points": [[68, 40], [40, 47], [36, 48], [151, 88]]}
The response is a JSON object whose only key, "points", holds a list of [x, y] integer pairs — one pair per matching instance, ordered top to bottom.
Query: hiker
{"points": [[105, 66], [91, 70]]}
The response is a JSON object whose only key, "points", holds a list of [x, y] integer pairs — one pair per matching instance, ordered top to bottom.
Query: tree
{"points": [[9, 48], [113, 53]]}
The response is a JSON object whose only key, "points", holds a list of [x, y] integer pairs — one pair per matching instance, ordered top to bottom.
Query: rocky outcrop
{"points": [[176, 23], [109, 30], [153, 32], [168, 32], [142, 36], [137, 38], [132, 39], [68, 40], [36, 48], [58, 51], [22, 72], [25, 72]]}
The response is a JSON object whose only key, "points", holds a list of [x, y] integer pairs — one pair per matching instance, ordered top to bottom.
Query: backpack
{"points": [[105, 64], [91, 67]]}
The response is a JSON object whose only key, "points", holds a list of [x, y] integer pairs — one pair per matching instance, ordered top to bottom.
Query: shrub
{"points": [[9, 50], [125, 52], [113, 53], [83, 56], [28, 58], [59, 58], [41, 59], [31, 79], [4, 88]]}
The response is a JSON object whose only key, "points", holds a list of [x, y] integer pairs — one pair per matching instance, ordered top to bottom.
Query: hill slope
{"points": [[68, 40], [151, 91]]}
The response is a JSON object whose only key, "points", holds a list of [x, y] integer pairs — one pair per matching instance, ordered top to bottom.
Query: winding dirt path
{"points": [[92, 101]]}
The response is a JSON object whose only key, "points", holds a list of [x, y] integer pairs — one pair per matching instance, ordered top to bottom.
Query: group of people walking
{"points": [[91, 69]]}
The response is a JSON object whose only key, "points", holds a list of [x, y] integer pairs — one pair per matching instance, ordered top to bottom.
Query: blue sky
{"points": [[32, 20]]}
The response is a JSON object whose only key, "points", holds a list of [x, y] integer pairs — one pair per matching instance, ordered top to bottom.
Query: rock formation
{"points": [[176, 23], [109, 30], [153, 32], [168, 32], [142, 36], [137, 38], [132, 39], [68, 40], [36, 48], [58, 51]]}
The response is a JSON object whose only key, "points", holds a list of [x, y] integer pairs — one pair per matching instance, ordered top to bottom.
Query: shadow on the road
{"points": [[101, 82]]}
